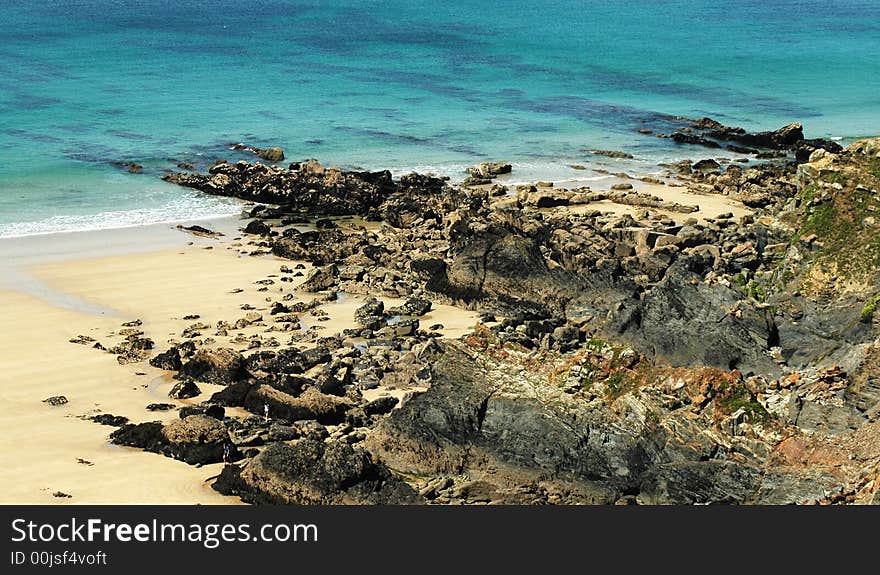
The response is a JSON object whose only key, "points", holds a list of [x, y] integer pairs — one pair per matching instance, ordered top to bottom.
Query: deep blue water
{"points": [[396, 84]]}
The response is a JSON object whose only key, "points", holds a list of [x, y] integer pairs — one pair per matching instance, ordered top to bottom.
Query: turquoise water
{"points": [[434, 86]]}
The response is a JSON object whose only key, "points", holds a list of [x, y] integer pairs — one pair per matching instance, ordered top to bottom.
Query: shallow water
{"points": [[396, 84]]}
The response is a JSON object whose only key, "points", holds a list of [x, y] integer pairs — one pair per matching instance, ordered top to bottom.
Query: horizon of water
{"points": [[402, 85]]}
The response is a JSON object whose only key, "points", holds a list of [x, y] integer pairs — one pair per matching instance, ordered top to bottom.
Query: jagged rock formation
{"points": [[638, 358]]}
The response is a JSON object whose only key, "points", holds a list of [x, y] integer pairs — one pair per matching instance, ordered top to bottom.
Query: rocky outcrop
{"points": [[710, 133], [272, 154], [490, 169], [306, 185], [320, 279], [680, 313], [655, 357], [221, 366], [184, 390], [311, 404], [606, 428], [196, 439], [315, 473]]}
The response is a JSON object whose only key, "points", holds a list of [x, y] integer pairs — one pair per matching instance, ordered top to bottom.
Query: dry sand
{"points": [[711, 205], [51, 295]]}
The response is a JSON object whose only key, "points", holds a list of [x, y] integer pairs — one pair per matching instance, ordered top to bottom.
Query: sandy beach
{"points": [[60, 286]]}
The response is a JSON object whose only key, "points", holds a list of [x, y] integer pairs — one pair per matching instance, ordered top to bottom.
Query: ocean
{"points": [[405, 85]]}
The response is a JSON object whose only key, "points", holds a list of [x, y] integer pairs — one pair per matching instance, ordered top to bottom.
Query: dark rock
{"points": [[682, 138], [805, 148], [272, 154], [612, 154], [706, 166], [130, 167], [490, 170], [305, 186], [550, 199], [257, 228], [199, 231], [321, 247], [320, 279], [412, 307], [278, 308], [680, 314], [371, 315], [403, 328], [133, 349], [314, 356], [168, 360], [221, 366], [184, 390], [232, 395], [55, 400], [311, 404], [381, 405], [160, 407], [188, 410], [215, 411], [108, 419], [471, 422], [147, 436], [196, 439], [315, 473], [693, 482]]}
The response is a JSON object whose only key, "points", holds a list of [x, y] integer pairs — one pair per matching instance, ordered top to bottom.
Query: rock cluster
{"points": [[647, 357]]}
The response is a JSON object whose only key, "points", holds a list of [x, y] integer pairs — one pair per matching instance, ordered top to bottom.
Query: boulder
{"points": [[273, 154], [708, 165], [490, 169], [305, 186], [257, 228], [320, 279], [413, 306], [371, 315], [134, 349], [168, 360], [221, 366], [184, 390], [232, 395], [56, 400], [311, 404], [381, 405], [160, 407], [207, 409], [109, 419], [146, 436], [197, 439], [312, 472]]}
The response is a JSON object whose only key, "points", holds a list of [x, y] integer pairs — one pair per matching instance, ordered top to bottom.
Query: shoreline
{"points": [[588, 169]]}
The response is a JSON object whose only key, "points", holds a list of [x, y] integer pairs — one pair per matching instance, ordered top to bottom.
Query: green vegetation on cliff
{"points": [[840, 218]]}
